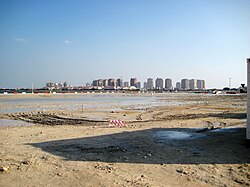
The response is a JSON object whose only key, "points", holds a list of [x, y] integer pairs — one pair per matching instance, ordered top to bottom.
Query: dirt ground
{"points": [[199, 143]]}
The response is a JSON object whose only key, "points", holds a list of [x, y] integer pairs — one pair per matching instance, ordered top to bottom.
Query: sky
{"points": [[78, 41]]}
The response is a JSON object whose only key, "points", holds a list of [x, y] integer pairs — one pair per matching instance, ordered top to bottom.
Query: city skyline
{"points": [[45, 41], [113, 83]]}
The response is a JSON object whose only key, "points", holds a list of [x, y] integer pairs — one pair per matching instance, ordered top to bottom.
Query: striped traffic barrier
{"points": [[117, 123]]}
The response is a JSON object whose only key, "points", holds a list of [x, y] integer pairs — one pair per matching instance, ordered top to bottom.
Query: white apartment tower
{"points": [[150, 84], [159, 84], [168, 84], [185, 84], [193, 84], [201, 84], [138, 85], [145, 85], [178, 86]]}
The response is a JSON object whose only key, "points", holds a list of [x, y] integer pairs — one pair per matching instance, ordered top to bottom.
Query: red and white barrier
{"points": [[117, 123]]}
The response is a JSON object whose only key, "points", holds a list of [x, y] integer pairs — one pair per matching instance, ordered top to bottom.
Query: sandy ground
{"points": [[200, 143]]}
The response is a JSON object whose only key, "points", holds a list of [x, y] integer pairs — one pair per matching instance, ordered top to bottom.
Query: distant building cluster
{"points": [[112, 83], [160, 84], [193, 84], [149, 85], [57, 86]]}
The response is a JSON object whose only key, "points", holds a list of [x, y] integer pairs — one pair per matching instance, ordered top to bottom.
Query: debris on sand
{"points": [[212, 126], [4, 169]]}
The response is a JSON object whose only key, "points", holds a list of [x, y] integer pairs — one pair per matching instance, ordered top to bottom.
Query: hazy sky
{"points": [[78, 41]]}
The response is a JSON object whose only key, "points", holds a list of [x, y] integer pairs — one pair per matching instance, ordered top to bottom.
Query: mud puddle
{"points": [[164, 135]]}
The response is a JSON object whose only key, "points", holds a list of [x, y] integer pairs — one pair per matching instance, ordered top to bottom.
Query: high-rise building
{"points": [[100, 82], [112, 82], [133, 82], [95, 83], [105, 83], [119, 83], [150, 84], [159, 84], [168, 84], [184, 84], [193, 84], [201, 84], [65, 85], [126, 85], [138, 85], [145, 85], [178, 86]]}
